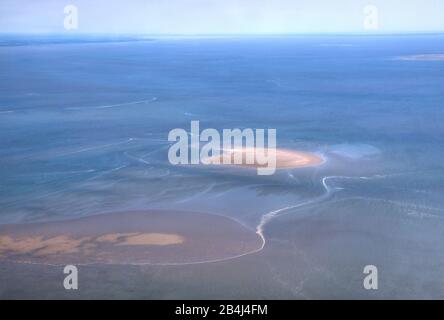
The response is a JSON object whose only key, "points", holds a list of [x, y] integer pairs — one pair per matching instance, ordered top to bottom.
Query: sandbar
{"points": [[285, 158], [132, 237]]}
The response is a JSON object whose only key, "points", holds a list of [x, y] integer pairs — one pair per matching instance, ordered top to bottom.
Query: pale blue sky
{"points": [[221, 16]]}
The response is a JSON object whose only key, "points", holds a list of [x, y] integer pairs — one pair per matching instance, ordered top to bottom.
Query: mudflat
{"points": [[133, 237]]}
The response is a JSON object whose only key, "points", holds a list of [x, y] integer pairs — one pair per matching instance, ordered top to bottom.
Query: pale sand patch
{"points": [[423, 57], [285, 159], [114, 237], [139, 237], [159, 239], [61, 244], [64, 244], [39, 246]]}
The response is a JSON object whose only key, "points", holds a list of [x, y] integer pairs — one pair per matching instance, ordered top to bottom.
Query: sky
{"points": [[221, 16]]}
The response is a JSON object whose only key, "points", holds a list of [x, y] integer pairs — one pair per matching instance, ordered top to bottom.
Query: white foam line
{"points": [[125, 104], [114, 105], [94, 148], [157, 150], [137, 158], [68, 172], [56, 173], [103, 173], [157, 176], [197, 194], [46, 195], [396, 203], [401, 204], [266, 218], [141, 263]]}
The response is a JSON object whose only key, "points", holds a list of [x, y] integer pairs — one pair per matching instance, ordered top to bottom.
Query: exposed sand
{"points": [[423, 57], [285, 159], [140, 237], [158, 239], [63, 244], [39, 246]]}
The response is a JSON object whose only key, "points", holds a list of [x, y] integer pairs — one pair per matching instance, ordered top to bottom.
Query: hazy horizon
{"points": [[232, 17], [216, 35]]}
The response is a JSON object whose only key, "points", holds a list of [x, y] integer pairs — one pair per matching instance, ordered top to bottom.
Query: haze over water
{"points": [[84, 127]]}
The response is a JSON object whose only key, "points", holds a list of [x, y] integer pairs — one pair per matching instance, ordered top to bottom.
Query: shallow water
{"points": [[84, 126]]}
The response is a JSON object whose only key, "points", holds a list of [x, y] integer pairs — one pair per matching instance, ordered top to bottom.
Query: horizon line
{"points": [[184, 35]]}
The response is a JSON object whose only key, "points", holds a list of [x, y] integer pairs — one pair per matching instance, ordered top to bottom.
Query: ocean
{"points": [[84, 126]]}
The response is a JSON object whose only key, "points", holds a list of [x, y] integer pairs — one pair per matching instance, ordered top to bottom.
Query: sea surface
{"points": [[84, 124]]}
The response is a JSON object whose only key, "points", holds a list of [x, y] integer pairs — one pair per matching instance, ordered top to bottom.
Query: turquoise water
{"points": [[84, 126]]}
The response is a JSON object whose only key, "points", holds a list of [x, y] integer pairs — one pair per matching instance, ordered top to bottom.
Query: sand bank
{"points": [[285, 159], [137, 237]]}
